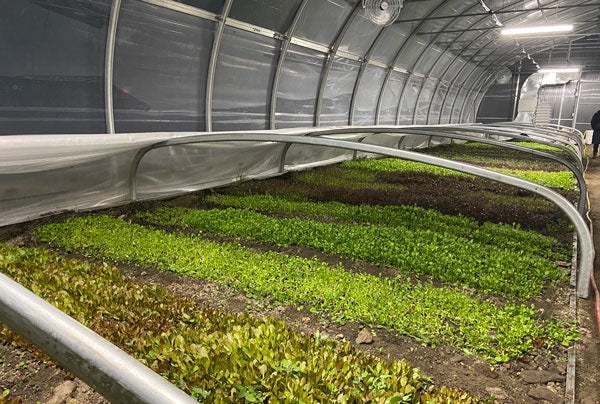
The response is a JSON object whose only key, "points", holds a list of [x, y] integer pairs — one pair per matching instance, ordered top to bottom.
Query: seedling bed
{"points": [[263, 232]]}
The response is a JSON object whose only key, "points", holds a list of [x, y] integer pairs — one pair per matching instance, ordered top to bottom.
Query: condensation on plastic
{"points": [[322, 20], [360, 35], [161, 60], [243, 80], [52, 86], [298, 87], [338, 92], [368, 93], [391, 95], [409, 100], [424, 102]]}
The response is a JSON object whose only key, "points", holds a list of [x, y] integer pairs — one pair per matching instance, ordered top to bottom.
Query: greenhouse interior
{"points": [[299, 201]]}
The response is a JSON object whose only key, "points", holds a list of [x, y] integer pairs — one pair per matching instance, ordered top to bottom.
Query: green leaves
{"points": [[558, 179], [444, 255], [428, 314], [216, 357]]}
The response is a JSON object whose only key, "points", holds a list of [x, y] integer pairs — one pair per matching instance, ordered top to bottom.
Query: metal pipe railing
{"points": [[111, 372]]}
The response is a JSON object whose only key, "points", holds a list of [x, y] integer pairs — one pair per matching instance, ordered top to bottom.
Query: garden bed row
{"points": [[384, 247]]}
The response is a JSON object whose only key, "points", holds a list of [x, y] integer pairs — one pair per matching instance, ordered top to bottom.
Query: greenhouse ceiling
{"points": [[98, 66]]}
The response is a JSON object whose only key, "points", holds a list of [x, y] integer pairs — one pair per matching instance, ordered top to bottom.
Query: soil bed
{"points": [[523, 381]]}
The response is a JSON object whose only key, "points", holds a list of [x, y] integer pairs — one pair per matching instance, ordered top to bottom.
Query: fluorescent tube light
{"points": [[540, 29], [559, 70]]}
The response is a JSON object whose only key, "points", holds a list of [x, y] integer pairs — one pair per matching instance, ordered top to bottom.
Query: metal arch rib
{"points": [[334, 49], [282, 55], [394, 62], [478, 64], [212, 65], [109, 66], [361, 72], [448, 133], [587, 246], [110, 371]]}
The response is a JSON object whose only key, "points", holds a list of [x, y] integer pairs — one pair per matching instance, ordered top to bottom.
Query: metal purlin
{"points": [[452, 21], [336, 45], [429, 46], [282, 55], [457, 57], [109, 58], [483, 61], [394, 62], [212, 66], [361, 72], [483, 83], [587, 247]]}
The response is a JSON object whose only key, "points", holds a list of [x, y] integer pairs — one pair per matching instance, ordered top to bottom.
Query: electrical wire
{"points": [[592, 277]]}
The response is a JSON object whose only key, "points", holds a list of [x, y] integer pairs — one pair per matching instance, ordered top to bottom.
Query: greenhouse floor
{"points": [[330, 226]]}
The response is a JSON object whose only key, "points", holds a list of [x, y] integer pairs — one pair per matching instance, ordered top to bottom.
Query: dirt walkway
{"points": [[588, 359]]}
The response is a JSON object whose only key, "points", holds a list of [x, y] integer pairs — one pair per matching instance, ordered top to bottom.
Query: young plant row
{"points": [[557, 179], [410, 217], [447, 257], [426, 313], [215, 357]]}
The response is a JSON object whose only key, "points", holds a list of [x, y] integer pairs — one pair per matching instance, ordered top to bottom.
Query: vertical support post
{"points": [[284, 49], [109, 65], [212, 66], [517, 91], [577, 96], [562, 100]]}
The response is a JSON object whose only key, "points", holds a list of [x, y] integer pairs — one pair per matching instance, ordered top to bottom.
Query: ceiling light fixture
{"points": [[540, 29], [560, 70]]}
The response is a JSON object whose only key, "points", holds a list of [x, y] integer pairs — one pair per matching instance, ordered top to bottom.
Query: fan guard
{"points": [[382, 12], [503, 76]]}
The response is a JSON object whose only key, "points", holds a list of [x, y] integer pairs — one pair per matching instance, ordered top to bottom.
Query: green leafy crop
{"points": [[557, 179], [410, 217], [448, 257], [426, 313], [215, 357]]}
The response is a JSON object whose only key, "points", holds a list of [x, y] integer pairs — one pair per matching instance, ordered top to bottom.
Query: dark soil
{"points": [[514, 166], [448, 194], [444, 364]]}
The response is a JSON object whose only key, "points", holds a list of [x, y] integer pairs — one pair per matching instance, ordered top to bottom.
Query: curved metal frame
{"points": [[336, 45], [282, 55], [394, 62], [109, 65], [212, 65], [361, 72], [449, 133], [587, 247], [110, 371]]}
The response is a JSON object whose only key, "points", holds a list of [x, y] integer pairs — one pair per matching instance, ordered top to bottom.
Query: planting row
{"points": [[556, 179], [410, 217], [448, 257], [426, 313], [215, 357]]}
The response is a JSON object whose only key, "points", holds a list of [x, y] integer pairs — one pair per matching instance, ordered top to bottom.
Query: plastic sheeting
{"points": [[52, 86], [46, 174]]}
